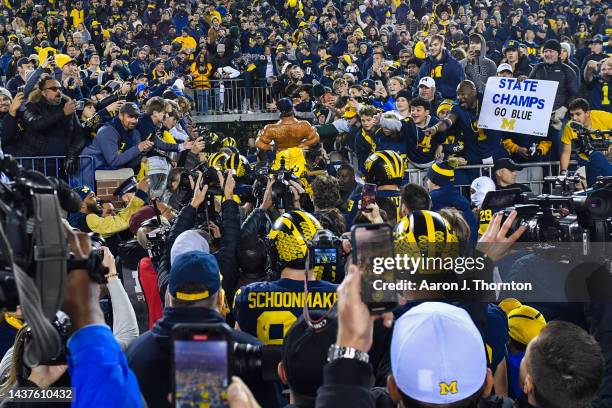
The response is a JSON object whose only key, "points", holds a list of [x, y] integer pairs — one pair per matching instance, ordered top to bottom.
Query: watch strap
{"points": [[335, 352]]}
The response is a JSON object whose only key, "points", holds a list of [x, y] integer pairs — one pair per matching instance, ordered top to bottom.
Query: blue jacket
{"points": [[447, 78], [147, 130], [109, 139], [449, 196], [150, 356], [99, 371]]}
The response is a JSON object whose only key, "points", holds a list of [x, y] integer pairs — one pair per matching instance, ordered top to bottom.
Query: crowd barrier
{"points": [[232, 96], [53, 166], [532, 174]]}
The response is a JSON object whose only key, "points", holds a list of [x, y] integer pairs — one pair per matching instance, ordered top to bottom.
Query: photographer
{"points": [[581, 113], [51, 126], [230, 227], [196, 276], [264, 301], [98, 367]]}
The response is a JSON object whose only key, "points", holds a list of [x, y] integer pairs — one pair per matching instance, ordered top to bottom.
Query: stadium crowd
{"points": [[218, 228]]}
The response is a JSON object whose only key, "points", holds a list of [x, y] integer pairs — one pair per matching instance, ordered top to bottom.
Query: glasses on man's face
{"points": [[53, 88]]}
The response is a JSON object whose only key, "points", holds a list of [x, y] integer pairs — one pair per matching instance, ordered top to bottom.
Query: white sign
{"points": [[518, 107]]}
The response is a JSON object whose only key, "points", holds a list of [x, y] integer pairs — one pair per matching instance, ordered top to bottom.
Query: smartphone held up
{"points": [[372, 243], [201, 362]]}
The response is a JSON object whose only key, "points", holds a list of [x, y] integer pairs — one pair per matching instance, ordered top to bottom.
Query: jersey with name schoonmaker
{"points": [[267, 310]]}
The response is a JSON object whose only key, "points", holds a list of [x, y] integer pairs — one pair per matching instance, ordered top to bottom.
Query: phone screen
{"points": [[368, 195], [372, 244], [325, 256], [201, 371]]}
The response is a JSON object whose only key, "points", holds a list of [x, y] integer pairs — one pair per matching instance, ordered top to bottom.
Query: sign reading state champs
{"points": [[518, 107]]}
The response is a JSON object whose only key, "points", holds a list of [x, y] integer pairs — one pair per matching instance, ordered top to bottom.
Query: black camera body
{"points": [[589, 218], [156, 239], [324, 255], [256, 361]]}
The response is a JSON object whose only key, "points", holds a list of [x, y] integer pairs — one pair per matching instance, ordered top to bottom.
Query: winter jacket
{"points": [[481, 68], [447, 73], [561, 73], [48, 131], [8, 133]]}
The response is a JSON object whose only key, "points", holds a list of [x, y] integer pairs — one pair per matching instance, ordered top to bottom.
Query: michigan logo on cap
{"points": [[451, 388]]}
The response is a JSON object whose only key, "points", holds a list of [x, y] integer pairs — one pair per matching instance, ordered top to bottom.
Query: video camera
{"points": [[211, 139], [589, 140], [282, 197], [206, 212], [559, 218], [156, 238], [34, 253]]}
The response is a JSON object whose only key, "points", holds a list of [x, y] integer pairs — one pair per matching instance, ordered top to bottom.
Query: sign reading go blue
{"points": [[518, 107]]}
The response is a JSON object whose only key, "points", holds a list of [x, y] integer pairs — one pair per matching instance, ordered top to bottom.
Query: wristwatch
{"points": [[335, 352]]}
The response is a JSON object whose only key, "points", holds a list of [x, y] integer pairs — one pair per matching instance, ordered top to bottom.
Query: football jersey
{"points": [[478, 143], [268, 309]]}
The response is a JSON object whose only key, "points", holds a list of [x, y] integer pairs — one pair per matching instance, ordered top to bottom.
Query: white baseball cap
{"points": [[504, 67], [427, 82], [437, 354]]}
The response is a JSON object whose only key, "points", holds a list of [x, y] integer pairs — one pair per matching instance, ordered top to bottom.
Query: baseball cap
{"points": [[597, 39], [511, 45], [504, 67], [428, 82], [368, 83], [445, 104], [130, 108], [506, 163], [83, 191], [140, 216], [195, 267], [508, 304], [525, 323], [304, 353], [437, 354]]}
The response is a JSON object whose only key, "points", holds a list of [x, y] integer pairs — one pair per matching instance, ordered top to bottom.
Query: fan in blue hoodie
{"points": [[442, 67]]}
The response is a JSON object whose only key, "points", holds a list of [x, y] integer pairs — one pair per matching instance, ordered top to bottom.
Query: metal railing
{"points": [[232, 96], [53, 166], [534, 178]]}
